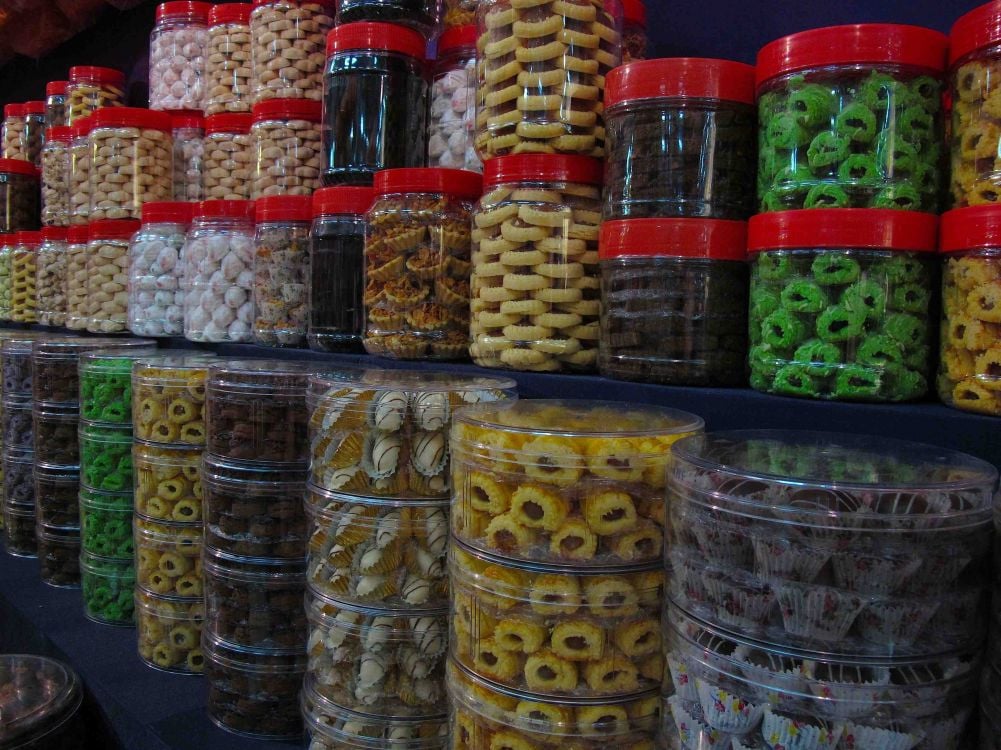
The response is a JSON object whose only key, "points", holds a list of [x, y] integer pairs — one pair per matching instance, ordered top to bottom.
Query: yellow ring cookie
{"points": [[586, 13], [498, 17], [535, 29], [500, 49], [543, 53], [574, 64], [535, 79], [508, 94], [536, 103], [540, 130], [574, 143], [534, 147], [536, 195], [544, 216], [493, 217], [520, 233], [565, 246], [522, 258], [487, 270], [560, 270], [525, 282], [497, 294], [557, 296], [523, 307], [582, 307], [497, 320], [557, 320], [586, 332], [527, 333], [493, 343], [557, 346], [523, 358]]}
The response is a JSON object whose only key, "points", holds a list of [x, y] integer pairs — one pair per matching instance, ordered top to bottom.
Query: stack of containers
{"points": [[168, 421], [254, 477], [556, 572], [378, 586], [825, 589]]}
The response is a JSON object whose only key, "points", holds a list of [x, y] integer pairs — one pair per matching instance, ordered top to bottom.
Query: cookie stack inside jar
{"points": [[254, 477], [378, 506], [556, 573], [824, 588]]}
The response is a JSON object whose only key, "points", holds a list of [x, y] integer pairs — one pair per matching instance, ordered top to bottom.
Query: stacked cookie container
{"points": [[377, 597]]}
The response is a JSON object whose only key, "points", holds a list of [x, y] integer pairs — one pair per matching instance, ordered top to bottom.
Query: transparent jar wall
{"points": [[419, 14], [177, 54], [289, 66], [228, 69], [86, 97], [55, 110], [453, 118], [850, 136], [34, 138], [14, 146], [288, 157], [187, 164], [976, 164], [228, 166], [128, 167], [79, 180], [56, 184], [19, 210], [280, 266], [52, 282], [336, 282], [107, 285], [6, 286], [24, 292], [156, 300], [77, 304], [214, 309], [844, 324], [159, 390], [56, 441], [106, 457], [167, 485], [57, 498], [106, 525], [19, 533], [58, 559], [168, 559], [107, 590], [170, 632]]}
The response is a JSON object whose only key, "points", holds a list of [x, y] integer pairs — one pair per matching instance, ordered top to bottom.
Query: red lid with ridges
{"points": [[194, 11], [634, 11], [230, 13], [980, 27], [374, 35], [455, 38], [889, 43], [94, 74], [691, 77], [56, 88], [34, 108], [288, 109], [13, 110], [130, 117], [186, 118], [232, 122], [82, 127], [59, 133], [18, 166], [542, 168], [458, 182], [346, 199], [284, 208], [225, 210], [167, 212], [876, 228], [971, 228], [113, 229], [54, 234], [78, 234], [29, 238], [715, 239]]}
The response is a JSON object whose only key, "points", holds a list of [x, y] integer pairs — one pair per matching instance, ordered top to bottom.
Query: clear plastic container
{"points": [[421, 15], [634, 31], [287, 38], [177, 56], [228, 66], [91, 88], [375, 95], [453, 97], [557, 106], [56, 115], [851, 117], [13, 132], [34, 132], [188, 134], [286, 137], [681, 140], [228, 157], [130, 161], [55, 163], [79, 174], [19, 196], [417, 245], [6, 248], [218, 263], [281, 266], [336, 269], [23, 272], [108, 275], [51, 277], [76, 277], [156, 299], [536, 299], [674, 301], [841, 303], [16, 353], [55, 362], [106, 385], [168, 398], [17, 426], [55, 427], [385, 432], [106, 456], [19, 480], [168, 482], [564, 482], [56, 497], [106, 526], [905, 528], [19, 532], [378, 552], [59, 556], [168, 558], [108, 589], [170, 632], [551, 632], [370, 661], [43, 711]]}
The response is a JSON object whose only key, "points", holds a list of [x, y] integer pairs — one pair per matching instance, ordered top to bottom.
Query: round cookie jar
{"points": [[421, 15], [634, 31], [286, 38], [177, 56], [228, 59], [541, 76], [92, 88], [375, 96], [453, 98], [55, 104], [851, 117], [12, 132], [34, 132], [188, 133], [286, 135], [681, 140], [228, 156], [55, 165], [79, 175], [19, 196], [77, 238], [6, 248], [281, 265], [336, 269], [23, 272], [108, 274], [535, 277], [51, 279], [156, 299], [674, 301], [841, 302], [969, 373], [106, 385], [168, 398], [16, 421], [56, 426], [385, 432], [105, 456], [18, 480], [564, 482], [168, 484], [56, 497], [106, 526], [19, 532], [852, 546], [58, 556], [168, 558], [108, 589], [170, 632], [554, 633], [377, 662], [46, 711]]}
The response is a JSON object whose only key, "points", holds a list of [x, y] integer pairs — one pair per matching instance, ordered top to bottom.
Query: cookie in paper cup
{"points": [[876, 572], [739, 599], [817, 613], [895, 622], [682, 676], [848, 690], [726, 711], [693, 731], [788, 733], [862, 737]]}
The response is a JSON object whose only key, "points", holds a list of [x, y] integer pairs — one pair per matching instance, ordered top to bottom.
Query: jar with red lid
{"points": [[421, 15], [634, 37], [286, 39], [177, 55], [228, 63], [91, 88], [453, 98], [375, 102], [55, 104], [851, 117], [13, 131], [34, 132], [187, 133], [286, 136], [681, 139], [228, 157], [56, 177], [79, 178], [7, 242], [417, 260], [281, 263], [23, 268], [108, 275], [51, 277], [76, 277], [535, 278], [156, 299], [674, 301], [842, 302]]}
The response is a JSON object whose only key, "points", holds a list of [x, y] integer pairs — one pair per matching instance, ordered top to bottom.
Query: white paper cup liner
{"points": [[817, 613], [725, 711], [787, 733]]}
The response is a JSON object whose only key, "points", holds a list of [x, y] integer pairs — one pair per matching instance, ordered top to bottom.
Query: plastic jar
{"points": [[421, 15], [634, 34], [287, 38], [177, 55], [228, 66], [92, 88], [375, 96], [453, 99], [55, 104], [519, 116], [850, 117], [13, 132], [34, 132], [188, 132], [286, 137], [681, 140], [229, 156], [130, 162], [79, 173], [56, 178], [19, 194], [417, 245], [6, 248], [218, 260], [281, 265], [336, 269], [23, 273], [108, 275], [76, 277], [51, 278], [156, 299], [674, 301], [537, 302], [840, 303], [16, 352], [55, 362], [168, 398], [256, 411], [16, 421], [56, 434], [402, 450], [105, 456], [18, 480], [167, 482], [583, 485], [56, 497], [252, 511], [106, 525], [19, 532], [396, 542], [58, 556], [168, 558], [108, 589], [170, 632], [410, 653], [45, 713]]}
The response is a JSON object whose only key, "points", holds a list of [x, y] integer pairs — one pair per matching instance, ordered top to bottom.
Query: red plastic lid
{"points": [[184, 9], [634, 11], [230, 13], [978, 28], [382, 36], [455, 38], [856, 43], [94, 74], [692, 77], [56, 88], [34, 108], [288, 109], [13, 110], [130, 117], [186, 118], [234, 122], [82, 127], [60, 133], [18, 166], [542, 168], [458, 182], [342, 200], [284, 208], [225, 210], [167, 212], [879, 228], [970, 228], [113, 229], [54, 234], [78, 234], [28, 238], [677, 238]]}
